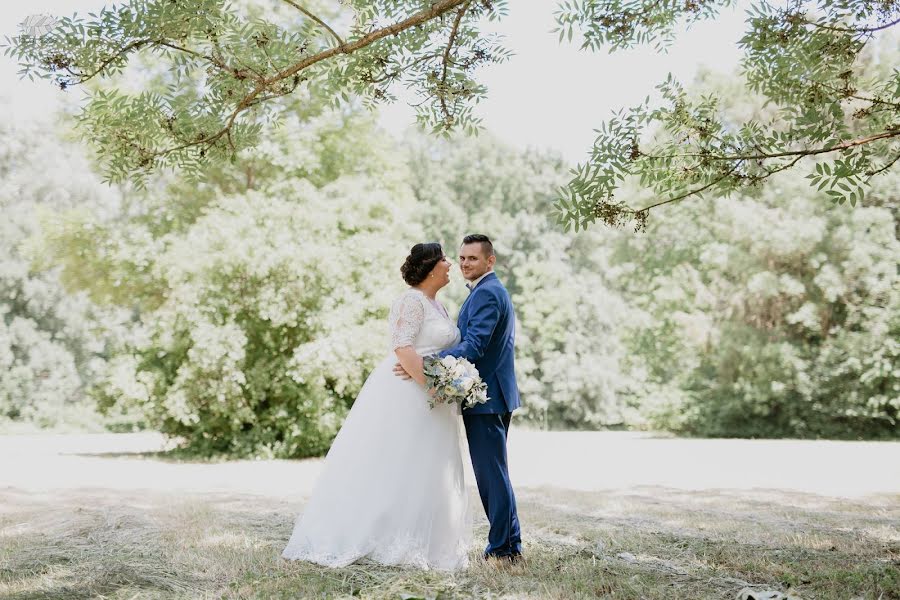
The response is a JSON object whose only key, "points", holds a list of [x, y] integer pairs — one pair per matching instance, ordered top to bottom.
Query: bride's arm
{"points": [[407, 317], [412, 363]]}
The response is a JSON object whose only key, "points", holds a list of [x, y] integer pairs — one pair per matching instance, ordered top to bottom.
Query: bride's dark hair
{"points": [[420, 262]]}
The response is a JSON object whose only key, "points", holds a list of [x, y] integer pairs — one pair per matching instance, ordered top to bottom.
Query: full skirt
{"points": [[392, 489]]}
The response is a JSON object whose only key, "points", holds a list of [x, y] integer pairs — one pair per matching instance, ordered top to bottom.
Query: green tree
{"points": [[811, 60], [220, 88], [832, 95], [262, 309], [766, 314], [273, 315], [770, 315], [53, 343], [568, 350]]}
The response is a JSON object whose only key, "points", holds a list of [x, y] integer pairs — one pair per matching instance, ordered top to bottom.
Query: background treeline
{"points": [[242, 314]]}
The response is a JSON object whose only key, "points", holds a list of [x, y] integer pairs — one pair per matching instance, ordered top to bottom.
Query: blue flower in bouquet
{"points": [[456, 380]]}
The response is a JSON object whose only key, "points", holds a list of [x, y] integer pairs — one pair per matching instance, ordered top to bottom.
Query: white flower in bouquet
{"points": [[458, 371], [471, 371], [452, 379]]}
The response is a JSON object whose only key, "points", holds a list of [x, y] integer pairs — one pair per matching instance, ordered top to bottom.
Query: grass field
{"points": [[99, 517]]}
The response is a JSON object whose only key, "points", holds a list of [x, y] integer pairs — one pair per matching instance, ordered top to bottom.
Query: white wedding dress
{"points": [[392, 489]]}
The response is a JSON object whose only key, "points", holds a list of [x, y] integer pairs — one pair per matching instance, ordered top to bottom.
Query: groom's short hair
{"points": [[486, 246]]}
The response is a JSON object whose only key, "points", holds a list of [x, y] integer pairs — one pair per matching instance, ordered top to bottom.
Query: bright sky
{"points": [[549, 95]]}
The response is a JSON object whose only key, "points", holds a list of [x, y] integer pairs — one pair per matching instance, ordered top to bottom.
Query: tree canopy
{"points": [[830, 94], [243, 314]]}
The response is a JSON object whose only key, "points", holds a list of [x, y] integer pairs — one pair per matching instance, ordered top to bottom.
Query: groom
{"points": [[487, 325]]}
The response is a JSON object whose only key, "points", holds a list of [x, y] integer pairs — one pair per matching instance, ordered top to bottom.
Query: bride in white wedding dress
{"points": [[392, 489]]}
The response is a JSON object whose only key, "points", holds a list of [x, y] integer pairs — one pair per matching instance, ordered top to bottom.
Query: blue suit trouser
{"points": [[487, 446]]}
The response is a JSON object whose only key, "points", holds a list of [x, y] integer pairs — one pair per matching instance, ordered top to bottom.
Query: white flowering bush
{"points": [[260, 294], [273, 315], [773, 315], [54, 341], [568, 348], [40, 379]]}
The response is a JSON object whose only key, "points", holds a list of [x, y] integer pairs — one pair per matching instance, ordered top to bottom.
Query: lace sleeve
{"points": [[407, 316]]}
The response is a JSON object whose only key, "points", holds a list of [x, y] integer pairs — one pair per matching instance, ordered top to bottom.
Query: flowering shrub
{"points": [[273, 314], [770, 315], [53, 341]]}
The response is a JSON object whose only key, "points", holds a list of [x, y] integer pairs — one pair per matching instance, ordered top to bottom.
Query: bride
{"points": [[392, 489]]}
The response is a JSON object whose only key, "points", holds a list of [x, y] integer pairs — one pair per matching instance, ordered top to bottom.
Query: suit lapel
{"points": [[460, 320]]}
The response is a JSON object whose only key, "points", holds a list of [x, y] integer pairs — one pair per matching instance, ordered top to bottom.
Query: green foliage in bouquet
{"points": [[453, 380]]}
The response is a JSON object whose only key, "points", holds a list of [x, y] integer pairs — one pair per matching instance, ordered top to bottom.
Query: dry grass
{"points": [[106, 517], [641, 543]]}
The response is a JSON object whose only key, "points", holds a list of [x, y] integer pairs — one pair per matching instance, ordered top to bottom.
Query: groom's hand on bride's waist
{"points": [[399, 371]]}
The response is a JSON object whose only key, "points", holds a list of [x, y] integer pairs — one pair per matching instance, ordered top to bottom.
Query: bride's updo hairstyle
{"points": [[421, 260]]}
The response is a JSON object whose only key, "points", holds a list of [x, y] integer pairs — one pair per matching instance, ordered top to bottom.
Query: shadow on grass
{"points": [[174, 456], [641, 543]]}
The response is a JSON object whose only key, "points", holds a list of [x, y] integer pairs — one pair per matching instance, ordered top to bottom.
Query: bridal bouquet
{"points": [[452, 379]]}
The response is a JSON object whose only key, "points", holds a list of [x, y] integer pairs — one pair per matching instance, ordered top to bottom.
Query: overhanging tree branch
{"points": [[436, 9], [310, 15], [855, 30], [141, 43], [135, 45], [811, 79], [442, 90], [847, 93], [801, 153], [884, 167], [694, 192]]}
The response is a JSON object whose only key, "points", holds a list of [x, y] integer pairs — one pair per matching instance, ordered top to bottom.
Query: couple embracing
{"points": [[392, 489]]}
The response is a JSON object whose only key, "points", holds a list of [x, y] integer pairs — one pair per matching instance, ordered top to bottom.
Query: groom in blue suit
{"points": [[487, 325]]}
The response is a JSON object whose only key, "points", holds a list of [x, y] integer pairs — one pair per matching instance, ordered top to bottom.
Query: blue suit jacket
{"points": [[488, 327]]}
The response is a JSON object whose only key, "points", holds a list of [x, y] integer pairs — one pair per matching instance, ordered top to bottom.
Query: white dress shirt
{"points": [[471, 285]]}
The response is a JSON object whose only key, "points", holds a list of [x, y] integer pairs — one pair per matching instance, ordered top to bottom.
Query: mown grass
{"points": [[647, 543]]}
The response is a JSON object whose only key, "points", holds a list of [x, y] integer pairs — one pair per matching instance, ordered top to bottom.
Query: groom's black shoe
{"points": [[514, 559], [512, 563]]}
